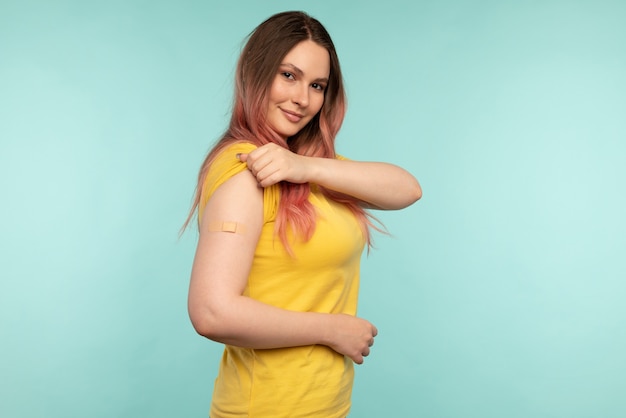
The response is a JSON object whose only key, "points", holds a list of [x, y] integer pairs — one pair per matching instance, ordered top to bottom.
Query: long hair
{"points": [[258, 63]]}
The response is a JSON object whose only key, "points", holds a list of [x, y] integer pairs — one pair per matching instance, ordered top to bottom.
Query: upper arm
{"points": [[223, 259]]}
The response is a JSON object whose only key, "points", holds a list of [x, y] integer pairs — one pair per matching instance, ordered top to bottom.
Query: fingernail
{"points": [[238, 155]]}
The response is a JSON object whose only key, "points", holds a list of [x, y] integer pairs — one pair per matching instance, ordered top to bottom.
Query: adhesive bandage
{"points": [[226, 226]]}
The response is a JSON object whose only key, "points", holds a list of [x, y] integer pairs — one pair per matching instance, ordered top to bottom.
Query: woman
{"points": [[282, 228]]}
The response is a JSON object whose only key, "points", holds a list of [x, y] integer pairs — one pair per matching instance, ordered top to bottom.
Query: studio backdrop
{"points": [[499, 294]]}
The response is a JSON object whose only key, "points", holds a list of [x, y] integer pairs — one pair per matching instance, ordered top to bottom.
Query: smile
{"points": [[292, 116]]}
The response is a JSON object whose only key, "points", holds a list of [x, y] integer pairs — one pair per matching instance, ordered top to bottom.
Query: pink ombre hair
{"points": [[267, 45]]}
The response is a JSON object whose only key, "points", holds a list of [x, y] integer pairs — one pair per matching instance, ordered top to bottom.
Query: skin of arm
{"points": [[379, 185], [219, 310]]}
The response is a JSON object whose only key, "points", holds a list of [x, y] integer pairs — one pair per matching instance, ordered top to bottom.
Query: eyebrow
{"points": [[301, 73]]}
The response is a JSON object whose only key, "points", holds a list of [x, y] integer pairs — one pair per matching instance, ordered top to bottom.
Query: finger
{"points": [[258, 152], [242, 157], [252, 157], [259, 163], [268, 176], [374, 331], [371, 343], [366, 352], [358, 359]]}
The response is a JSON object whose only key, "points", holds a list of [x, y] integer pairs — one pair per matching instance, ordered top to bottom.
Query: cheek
{"points": [[275, 93], [272, 97], [319, 102]]}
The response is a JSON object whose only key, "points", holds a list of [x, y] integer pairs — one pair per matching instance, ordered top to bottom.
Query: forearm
{"points": [[382, 185], [245, 322]]}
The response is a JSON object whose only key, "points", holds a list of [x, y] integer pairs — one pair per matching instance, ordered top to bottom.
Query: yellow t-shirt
{"points": [[310, 381]]}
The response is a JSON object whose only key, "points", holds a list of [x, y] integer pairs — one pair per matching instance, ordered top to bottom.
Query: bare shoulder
{"points": [[238, 200]]}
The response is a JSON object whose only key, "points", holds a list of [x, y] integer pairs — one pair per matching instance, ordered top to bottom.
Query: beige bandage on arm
{"points": [[227, 226]]}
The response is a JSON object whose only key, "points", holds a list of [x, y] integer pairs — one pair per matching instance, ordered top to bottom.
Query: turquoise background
{"points": [[500, 293]]}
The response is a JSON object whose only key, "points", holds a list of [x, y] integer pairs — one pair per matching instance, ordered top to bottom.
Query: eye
{"points": [[288, 75], [319, 87]]}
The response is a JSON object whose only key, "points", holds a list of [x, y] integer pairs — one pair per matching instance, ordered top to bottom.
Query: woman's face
{"points": [[297, 92]]}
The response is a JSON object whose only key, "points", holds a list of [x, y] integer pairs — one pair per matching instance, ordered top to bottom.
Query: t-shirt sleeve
{"points": [[226, 165]]}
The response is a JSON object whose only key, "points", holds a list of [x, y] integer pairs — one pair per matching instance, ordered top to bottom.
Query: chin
{"points": [[286, 133]]}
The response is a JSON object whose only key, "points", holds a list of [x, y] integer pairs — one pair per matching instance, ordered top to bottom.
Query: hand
{"points": [[271, 164], [351, 336]]}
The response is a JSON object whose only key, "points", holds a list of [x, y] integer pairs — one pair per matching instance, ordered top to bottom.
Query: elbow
{"points": [[411, 189], [412, 193], [416, 193], [404, 197], [206, 323], [203, 327]]}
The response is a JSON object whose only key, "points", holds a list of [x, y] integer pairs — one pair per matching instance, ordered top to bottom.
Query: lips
{"points": [[292, 116]]}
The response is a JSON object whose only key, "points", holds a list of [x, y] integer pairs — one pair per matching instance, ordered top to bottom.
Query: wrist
{"points": [[316, 170], [326, 330]]}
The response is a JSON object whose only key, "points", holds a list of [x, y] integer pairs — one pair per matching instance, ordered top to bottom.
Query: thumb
{"points": [[242, 157]]}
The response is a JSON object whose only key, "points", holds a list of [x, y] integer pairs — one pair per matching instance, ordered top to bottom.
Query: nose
{"points": [[301, 95]]}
